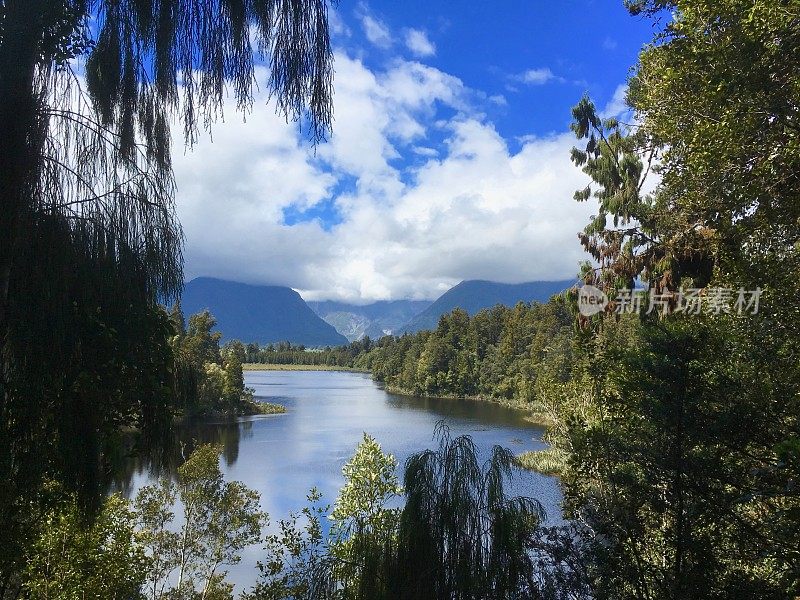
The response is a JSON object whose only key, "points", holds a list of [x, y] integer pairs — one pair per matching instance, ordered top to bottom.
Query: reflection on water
{"points": [[283, 456], [164, 460]]}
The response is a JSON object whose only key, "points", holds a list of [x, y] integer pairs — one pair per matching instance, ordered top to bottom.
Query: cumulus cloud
{"points": [[418, 43], [426, 190]]}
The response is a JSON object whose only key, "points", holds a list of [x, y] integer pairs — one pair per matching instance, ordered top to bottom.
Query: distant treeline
{"points": [[284, 353]]}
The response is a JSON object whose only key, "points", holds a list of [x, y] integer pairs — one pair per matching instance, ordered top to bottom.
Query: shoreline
{"points": [[276, 367], [535, 418], [546, 461]]}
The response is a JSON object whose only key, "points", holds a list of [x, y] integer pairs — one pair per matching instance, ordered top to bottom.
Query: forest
{"points": [[284, 353], [501, 354], [677, 433]]}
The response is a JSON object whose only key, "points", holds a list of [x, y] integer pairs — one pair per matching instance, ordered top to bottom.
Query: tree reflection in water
{"points": [[162, 458]]}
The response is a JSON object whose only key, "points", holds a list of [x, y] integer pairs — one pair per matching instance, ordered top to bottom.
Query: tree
{"points": [[718, 92], [717, 114], [90, 243], [201, 342], [237, 349], [209, 379], [666, 481], [683, 501], [219, 520], [363, 526], [460, 535], [72, 559], [348, 562]]}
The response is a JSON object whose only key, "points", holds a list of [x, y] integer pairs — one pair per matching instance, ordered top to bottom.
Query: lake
{"points": [[284, 456]]}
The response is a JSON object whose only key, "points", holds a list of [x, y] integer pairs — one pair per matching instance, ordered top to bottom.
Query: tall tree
{"points": [[88, 235], [683, 455], [220, 519]]}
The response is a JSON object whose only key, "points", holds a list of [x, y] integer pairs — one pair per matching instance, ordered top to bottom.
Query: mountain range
{"points": [[258, 313], [269, 314]]}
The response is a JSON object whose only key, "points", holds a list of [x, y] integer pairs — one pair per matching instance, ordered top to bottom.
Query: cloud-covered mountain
{"points": [[475, 295], [258, 313], [373, 320]]}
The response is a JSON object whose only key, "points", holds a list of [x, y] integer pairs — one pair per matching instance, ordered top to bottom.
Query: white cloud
{"points": [[337, 25], [377, 31], [417, 41], [609, 43], [535, 76], [540, 76], [617, 105], [425, 151], [466, 206]]}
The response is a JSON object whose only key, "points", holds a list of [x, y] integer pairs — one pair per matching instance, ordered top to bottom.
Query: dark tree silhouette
{"points": [[89, 241]]}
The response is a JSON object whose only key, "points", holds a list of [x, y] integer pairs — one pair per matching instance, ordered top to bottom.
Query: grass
{"points": [[268, 367], [267, 408], [538, 418], [546, 462]]}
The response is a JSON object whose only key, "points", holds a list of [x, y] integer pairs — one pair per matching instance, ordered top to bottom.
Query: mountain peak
{"points": [[258, 313]]}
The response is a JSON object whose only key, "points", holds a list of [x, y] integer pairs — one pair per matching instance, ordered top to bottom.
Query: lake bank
{"points": [[274, 367], [532, 415], [546, 461]]}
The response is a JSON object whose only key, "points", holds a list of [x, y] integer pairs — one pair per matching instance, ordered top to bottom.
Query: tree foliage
{"points": [[285, 353], [509, 354], [210, 378], [681, 434], [220, 519], [363, 524], [460, 533], [137, 550], [70, 558]]}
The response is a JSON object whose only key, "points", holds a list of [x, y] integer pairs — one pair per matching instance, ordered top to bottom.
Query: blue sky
{"points": [[585, 46], [448, 161]]}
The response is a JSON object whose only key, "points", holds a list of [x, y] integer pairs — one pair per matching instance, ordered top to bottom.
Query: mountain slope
{"points": [[475, 295], [258, 313], [374, 320]]}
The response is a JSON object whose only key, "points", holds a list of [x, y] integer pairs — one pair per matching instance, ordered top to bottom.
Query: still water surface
{"points": [[284, 456]]}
